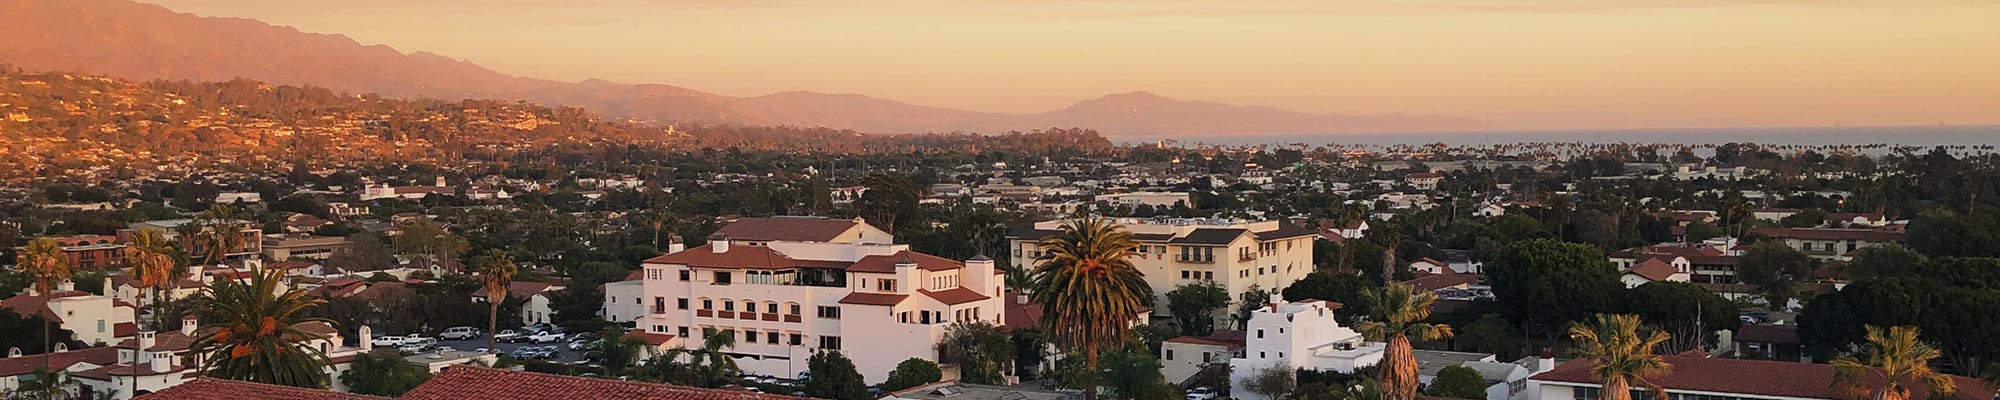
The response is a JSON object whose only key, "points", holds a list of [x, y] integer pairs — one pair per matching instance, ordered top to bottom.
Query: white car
{"points": [[460, 333], [546, 337], [388, 341], [413, 348], [1202, 393]]}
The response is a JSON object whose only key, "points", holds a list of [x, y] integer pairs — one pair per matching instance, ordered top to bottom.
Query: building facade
{"points": [[1238, 255]]}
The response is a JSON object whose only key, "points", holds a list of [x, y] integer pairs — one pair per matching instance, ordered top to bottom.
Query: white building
{"points": [[384, 191], [1155, 199], [1235, 254], [788, 292], [95, 319], [1302, 334], [1183, 357]]}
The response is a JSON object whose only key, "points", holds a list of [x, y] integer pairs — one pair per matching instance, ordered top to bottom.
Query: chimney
{"points": [[440, 180], [718, 243], [675, 245], [906, 274], [978, 275], [65, 286], [108, 290], [188, 324], [367, 339], [146, 340], [1548, 361]]}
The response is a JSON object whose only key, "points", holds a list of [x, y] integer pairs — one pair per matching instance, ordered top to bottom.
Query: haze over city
{"points": [[1537, 64]]}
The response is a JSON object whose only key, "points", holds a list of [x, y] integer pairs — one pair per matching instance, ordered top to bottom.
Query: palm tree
{"points": [[221, 232], [46, 264], [149, 266], [496, 272], [1089, 291], [1398, 315], [250, 332], [619, 352], [1619, 355], [1889, 360], [711, 363]]}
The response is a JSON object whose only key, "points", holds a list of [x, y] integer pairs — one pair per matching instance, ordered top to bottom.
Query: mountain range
{"points": [[142, 41]]}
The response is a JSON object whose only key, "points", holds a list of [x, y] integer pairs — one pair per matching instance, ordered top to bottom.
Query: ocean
{"points": [[1810, 136]]}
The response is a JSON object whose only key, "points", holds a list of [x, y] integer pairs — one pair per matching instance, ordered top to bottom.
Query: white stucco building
{"points": [[1235, 254], [793, 286], [1302, 334]]}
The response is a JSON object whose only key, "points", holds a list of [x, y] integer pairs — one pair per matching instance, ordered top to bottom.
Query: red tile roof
{"points": [[789, 229], [1865, 235], [738, 256], [887, 263], [1653, 269], [1441, 281], [954, 296], [874, 299], [27, 305], [1221, 337], [655, 339], [13, 366], [1756, 377], [471, 382], [205, 388]]}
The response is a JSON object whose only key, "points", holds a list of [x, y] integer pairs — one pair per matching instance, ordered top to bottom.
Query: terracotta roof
{"points": [[789, 229], [1284, 231], [1865, 235], [1210, 236], [739, 256], [1431, 261], [887, 263], [1653, 269], [1441, 281], [954, 296], [874, 299], [27, 305], [1019, 314], [1221, 337], [655, 339], [13, 366], [106, 372], [1756, 377], [471, 382], [205, 388]]}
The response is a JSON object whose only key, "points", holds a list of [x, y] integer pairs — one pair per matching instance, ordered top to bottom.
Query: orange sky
{"points": [[1523, 64]]}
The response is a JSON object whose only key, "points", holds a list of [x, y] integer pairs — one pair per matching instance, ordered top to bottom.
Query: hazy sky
{"points": [[1518, 63]]}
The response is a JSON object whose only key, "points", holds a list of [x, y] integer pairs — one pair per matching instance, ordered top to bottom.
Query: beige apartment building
{"points": [[1235, 254]]}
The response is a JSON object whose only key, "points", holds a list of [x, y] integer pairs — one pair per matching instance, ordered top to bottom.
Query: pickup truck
{"points": [[546, 337], [388, 341]]}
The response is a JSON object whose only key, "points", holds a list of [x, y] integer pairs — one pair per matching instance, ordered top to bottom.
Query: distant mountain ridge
{"points": [[143, 41]]}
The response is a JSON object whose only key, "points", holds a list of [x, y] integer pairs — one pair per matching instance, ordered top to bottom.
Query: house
{"points": [[1423, 180], [384, 191], [238, 197], [1154, 199], [344, 210], [1490, 210], [1773, 214], [1339, 232], [1830, 243], [301, 246], [1238, 255], [1429, 266], [1656, 269], [789, 294], [534, 297], [94, 318], [1300, 335], [1768, 342], [1183, 357], [154, 361], [16, 368], [1696, 375], [1504, 380]]}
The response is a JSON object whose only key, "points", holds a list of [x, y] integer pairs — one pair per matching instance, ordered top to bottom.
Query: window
{"points": [[1185, 274], [685, 275], [721, 277], [886, 285], [683, 303], [707, 304], [659, 305], [728, 305], [749, 306], [771, 308], [795, 308], [829, 312], [100, 326], [684, 331], [1260, 333], [749, 336], [771, 337], [798, 339], [829, 342], [1170, 354], [1261, 355]]}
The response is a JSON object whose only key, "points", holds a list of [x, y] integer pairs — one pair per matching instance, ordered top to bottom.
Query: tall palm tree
{"points": [[221, 232], [46, 264], [149, 265], [496, 272], [1089, 291], [1398, 315], [250, 332], [1619, 355], [1890, 359], [711, 363]]}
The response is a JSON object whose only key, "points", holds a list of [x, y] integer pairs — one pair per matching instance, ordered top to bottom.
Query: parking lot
{"points": [[563, 353]]}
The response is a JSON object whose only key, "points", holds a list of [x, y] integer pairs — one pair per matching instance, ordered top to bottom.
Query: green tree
{"points": [[888, 199], [1702, 230], [220, 233], [428, 242], [44, 261], [1875, 261], [150, 265], [1775, 269], [496, 273], [1548, 284], [1350, 290], [1089, 291], [1253, 298], [1194, 306], [1687, 312], [1398, 317], [251, 332], [24, 334], [1489, 334], [979, 349], [619, 352], [1620, 356], [712, 365], [1885, 366], [383, 372], [911, 373], [1131, 373], [834, 377], [1271, 382], [1457, 382]]}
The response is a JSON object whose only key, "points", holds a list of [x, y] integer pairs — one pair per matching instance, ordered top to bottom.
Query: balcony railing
{"points": [[1246, 257], [1194, 259], [704, 313], [725, 314], [747, 315], [771, 317], [792, 318]]}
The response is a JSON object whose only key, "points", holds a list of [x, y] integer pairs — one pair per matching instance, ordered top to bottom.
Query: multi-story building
{"points": [[172, 229], [1830, 243], [301, 246], [92, 251], [1237, 255], [794, 286], [95, 319], [1300, 335]]}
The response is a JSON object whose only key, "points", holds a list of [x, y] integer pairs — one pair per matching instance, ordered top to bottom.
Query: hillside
{"points": [[146, 42]]}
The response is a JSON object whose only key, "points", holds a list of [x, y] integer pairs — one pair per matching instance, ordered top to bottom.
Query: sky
{"points": [[1518, 64]]}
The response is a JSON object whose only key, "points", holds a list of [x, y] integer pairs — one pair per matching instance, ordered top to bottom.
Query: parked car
{"points": [[461, 333], [509, 336], [546, 337], [388, 341], [427, 342], [580, 344], [413, 348], [1203, 393]]}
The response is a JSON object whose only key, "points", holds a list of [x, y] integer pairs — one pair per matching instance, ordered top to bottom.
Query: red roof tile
{"points": [[789, 229], [740, 256], [887, 263], [1653, 269], [1441, 281], [954, 296], [874, 299], [1221, 337], [655, 339], [13, 366], [1768, 378], [471, 382], [205, 388]]}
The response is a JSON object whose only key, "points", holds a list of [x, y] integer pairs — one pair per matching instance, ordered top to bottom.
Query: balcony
{"points": [[1246, 257], [1195, 259], [659, 309], [704, 313], [725, 314], [747, 315], [771, 317], [792, 318]]}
